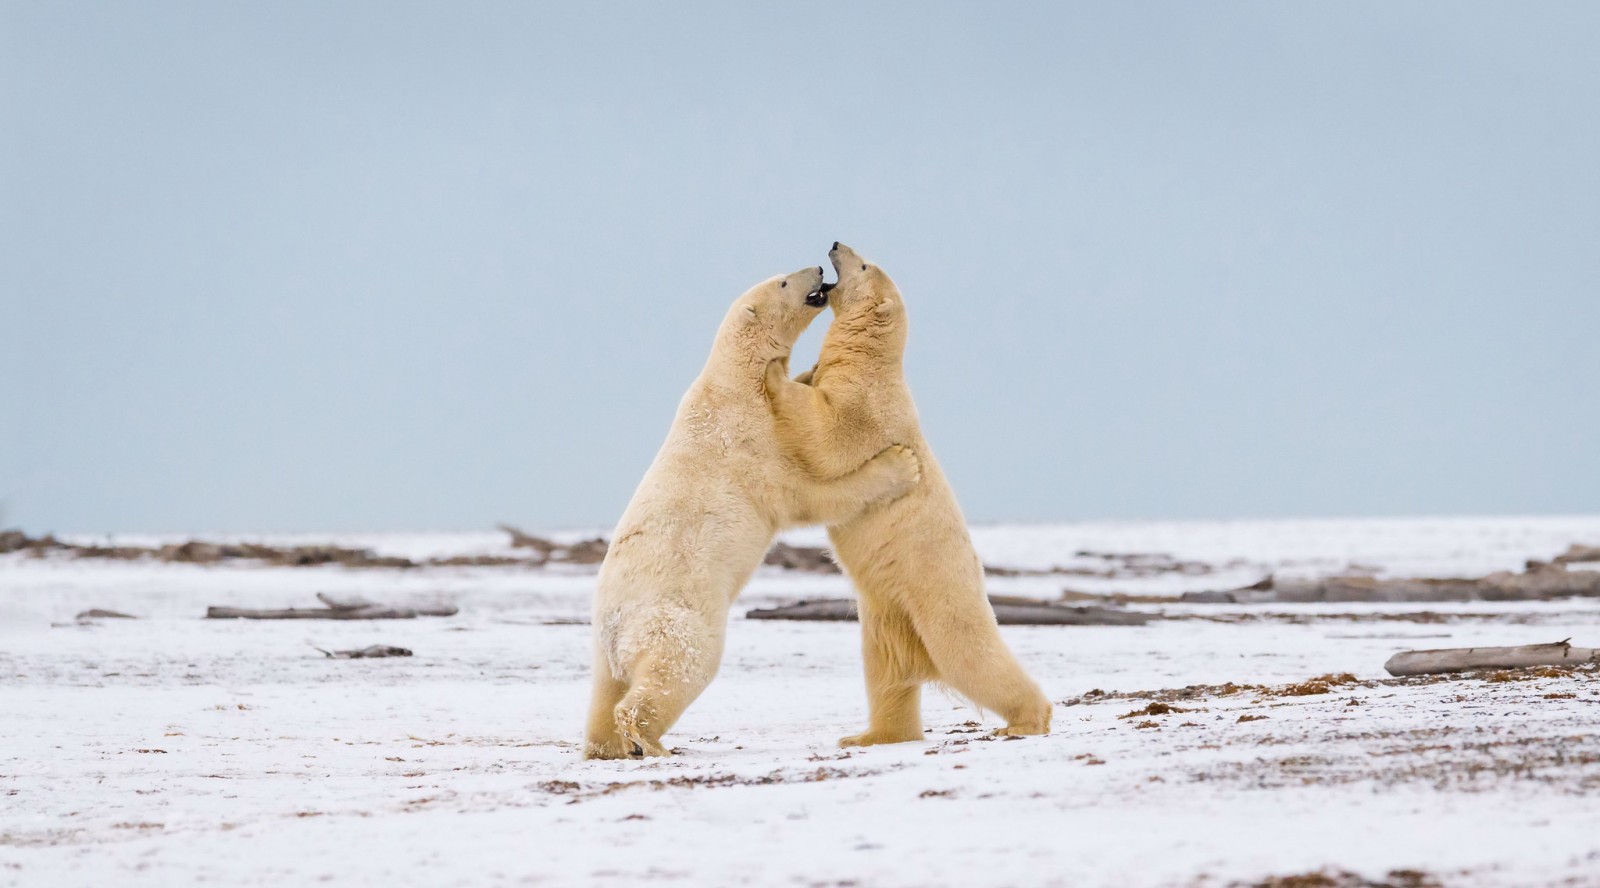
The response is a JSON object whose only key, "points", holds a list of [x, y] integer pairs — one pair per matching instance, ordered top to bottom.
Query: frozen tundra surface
{"points": [[172, 750]]}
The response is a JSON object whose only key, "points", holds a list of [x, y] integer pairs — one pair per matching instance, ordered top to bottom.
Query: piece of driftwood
{"points": [[521, 539], [591, 551], [203, 552], [1577, 552], [814, 559], [1543, 581], [346, 602], [339, 607], [821, 609], [1008, 610], [96, 613], [328, 613], [1057, 615], [368, 653], [1561, 653]]}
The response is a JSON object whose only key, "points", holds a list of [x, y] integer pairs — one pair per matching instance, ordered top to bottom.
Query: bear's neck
{"points": [[862, 341], [743, 350], [737, 371]]}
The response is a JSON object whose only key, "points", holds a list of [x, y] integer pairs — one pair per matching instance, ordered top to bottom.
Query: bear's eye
{"points": [[863, 268], [782, 285]]}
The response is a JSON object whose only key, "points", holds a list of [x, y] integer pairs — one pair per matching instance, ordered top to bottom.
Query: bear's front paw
{"points": [[777, 377], [904, 468], [1033, 721], [1023, 730], [610, 748]]}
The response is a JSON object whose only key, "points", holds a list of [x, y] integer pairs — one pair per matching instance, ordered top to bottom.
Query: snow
{"points": [[172, 750]]}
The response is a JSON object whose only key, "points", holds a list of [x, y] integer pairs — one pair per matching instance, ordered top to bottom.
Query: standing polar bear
{"points": [[703, 517], [924, 613]]}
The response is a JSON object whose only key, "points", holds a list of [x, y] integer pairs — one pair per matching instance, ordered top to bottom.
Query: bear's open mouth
{"points": [[819, 297]]}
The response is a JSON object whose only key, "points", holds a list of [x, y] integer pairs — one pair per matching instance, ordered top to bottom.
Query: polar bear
{"points": [[703, 517], [924, 613]]}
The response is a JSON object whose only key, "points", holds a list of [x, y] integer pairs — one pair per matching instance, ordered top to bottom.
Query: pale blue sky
{"points": [[305, 266]]}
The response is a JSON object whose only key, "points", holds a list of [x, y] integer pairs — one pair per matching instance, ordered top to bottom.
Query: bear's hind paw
{"points": [[1022, 730], [874, 738]]}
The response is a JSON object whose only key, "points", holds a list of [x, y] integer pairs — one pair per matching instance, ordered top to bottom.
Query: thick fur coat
{"points": [[702, 519], [924, 612]]}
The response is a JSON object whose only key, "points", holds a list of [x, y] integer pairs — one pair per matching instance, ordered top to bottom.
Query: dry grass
{"points": [[1154, 709], [1346, 879]]}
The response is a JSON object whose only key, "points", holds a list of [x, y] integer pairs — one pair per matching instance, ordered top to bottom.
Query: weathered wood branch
{"points": [[1578, 552], [1541, 582], [346, 602], [822, 610], [1008, 610], [374, 612], [96, 613], [1056, 615], [367, 653], [1561, 653]]}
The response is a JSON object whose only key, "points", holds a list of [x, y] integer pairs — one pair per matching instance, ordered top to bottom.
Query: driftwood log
{"points": [[1578, 552], [1541, 582], [338, 608], [1008, 611], [96, 613], [328, 613], [368, 653], [1561, 653]]}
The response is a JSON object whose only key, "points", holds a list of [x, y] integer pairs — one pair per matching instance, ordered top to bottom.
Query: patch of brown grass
{"points": [[1502, 675], [1154, 709], [560, 787], [1345, 879]]}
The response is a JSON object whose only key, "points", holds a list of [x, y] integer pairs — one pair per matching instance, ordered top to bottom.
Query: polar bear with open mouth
{"points": [[703, 517], [924, 613]]}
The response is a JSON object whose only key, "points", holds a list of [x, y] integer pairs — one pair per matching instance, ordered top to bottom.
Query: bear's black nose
{"points": [[835, 246], [819, 269]]}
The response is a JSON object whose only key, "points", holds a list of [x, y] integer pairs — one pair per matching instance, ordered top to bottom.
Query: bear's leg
{"points": [[960, 634], [680, 659], [896, 666], [650, 708], [602, 740]]}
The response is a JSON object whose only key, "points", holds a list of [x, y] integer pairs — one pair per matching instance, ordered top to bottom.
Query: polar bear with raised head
{"points": [[703, 517], [924, 613]]}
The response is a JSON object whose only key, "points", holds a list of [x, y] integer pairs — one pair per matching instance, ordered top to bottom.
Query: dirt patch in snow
{"points": [[576, 791], [1346, 879]]}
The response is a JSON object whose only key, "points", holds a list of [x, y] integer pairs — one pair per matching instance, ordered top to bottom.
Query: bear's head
{"points": [[866, 302], [764, 323]]}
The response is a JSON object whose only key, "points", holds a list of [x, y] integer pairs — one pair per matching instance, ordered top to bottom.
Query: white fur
{"points": [[702, 519], [924, 613]]}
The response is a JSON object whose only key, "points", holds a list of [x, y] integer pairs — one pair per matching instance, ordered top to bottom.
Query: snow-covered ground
{"points": [[173, 750]]}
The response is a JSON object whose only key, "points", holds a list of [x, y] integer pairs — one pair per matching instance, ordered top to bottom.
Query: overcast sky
{"points": [[317, 266]]}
